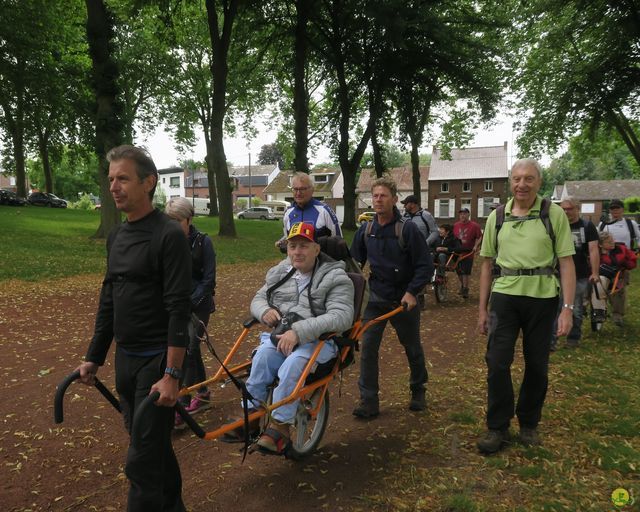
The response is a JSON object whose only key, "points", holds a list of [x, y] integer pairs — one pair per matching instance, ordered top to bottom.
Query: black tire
{"points": [[241, 217], [262, 217], [440, 290], [307, 432]]}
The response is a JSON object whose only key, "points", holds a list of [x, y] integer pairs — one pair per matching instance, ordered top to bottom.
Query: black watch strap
{"points": [[176, 373]]}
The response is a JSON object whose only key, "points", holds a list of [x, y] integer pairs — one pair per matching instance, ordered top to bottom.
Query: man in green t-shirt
{"points": [[524, 297]]}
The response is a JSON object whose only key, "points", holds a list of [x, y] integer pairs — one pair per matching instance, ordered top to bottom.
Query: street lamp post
{"points": [[250, 180]]}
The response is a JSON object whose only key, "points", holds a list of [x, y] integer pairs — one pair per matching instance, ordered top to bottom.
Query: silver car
{"points": [[257, 212]]}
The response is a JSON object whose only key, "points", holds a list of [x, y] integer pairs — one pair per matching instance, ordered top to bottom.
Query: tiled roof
{"points": [[470, 163], [256, 170], [403, 177], [281, 182], [613, 189]]}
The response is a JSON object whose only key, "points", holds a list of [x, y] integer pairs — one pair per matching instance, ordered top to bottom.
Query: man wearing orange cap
{"points": [[315, 295]]}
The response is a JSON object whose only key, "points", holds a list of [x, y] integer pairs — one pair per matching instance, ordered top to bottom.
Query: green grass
{"points": [[41, 243], [590, 430]]}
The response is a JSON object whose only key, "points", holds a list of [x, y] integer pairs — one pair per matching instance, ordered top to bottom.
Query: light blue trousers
{"points": [[268, 362]]}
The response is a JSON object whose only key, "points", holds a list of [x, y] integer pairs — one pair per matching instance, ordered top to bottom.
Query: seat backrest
{"points": [[359, 287]]}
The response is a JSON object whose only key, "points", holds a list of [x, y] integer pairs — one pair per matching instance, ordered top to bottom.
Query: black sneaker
{"points": [[465, 293], [599, 315], [418, 401], [366, 410], [529, 437], [493, 441]]}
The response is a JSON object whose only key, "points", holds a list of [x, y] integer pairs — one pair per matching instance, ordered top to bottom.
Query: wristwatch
{"points": [[568, 306], [176, 373]]}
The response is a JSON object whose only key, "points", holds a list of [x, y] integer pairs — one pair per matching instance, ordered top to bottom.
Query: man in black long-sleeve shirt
{"points": [[401, 266], [145, 307]]}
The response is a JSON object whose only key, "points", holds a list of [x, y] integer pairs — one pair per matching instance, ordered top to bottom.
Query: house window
{"points": [[323, 178], [164, 180], [174, 182], [444, 186], [466, 186], [488, 186], [486, 205], [443, 209]]}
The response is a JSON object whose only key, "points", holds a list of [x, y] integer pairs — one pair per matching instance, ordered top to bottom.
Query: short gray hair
{"points": [[528, 162], [304, 177], [572, 201], [179, 208]]}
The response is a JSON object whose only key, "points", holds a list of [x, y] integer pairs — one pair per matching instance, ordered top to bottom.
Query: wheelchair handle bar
{"points": [[179, 408], [58, 411]]}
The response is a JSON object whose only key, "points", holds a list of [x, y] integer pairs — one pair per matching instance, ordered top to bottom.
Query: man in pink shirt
{"points": [[470, 235]]}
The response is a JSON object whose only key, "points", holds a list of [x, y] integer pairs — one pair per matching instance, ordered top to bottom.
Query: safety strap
{"points": [[246, 395]]}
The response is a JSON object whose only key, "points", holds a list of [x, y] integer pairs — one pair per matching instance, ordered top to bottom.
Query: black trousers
{"points": [[508, 315], [407, 327], [194, 370], [151, 466]]}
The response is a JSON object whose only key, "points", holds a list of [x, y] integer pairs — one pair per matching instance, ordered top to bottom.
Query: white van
{"points": [[201, 205], [278, 207]]}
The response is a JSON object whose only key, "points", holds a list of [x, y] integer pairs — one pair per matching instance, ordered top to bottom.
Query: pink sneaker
{"points": [[200, 402], [178, 423]]}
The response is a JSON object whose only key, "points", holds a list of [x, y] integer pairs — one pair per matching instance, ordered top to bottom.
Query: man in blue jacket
{"points": [[400, 267]]}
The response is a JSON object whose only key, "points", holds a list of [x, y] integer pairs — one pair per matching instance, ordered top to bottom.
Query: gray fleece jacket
{"points": [[331, 295]]}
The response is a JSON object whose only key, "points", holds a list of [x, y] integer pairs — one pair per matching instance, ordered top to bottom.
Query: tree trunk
{"points": [[219, 71], [300, 93], [108, 124], [627, 133], [43, 147], [377, 155], [18, 156], [415, 168], [211, 177]]}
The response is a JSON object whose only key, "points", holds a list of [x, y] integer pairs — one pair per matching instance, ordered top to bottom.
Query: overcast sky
{"points": [[237, 149]]}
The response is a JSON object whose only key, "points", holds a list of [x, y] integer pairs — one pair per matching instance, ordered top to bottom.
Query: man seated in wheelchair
{"points": [[445, 245], [613, 258], [304, 296]]}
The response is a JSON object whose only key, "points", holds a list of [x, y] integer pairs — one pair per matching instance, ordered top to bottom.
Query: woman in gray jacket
{"points": [[314, 290]]}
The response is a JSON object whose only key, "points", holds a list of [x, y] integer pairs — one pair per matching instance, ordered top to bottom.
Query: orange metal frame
{"points": [[301, 389]]}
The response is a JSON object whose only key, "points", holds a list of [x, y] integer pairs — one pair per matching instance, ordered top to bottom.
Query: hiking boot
{"points": [[461, 291], [465, 293], [418, 401], [200, 402], [366, 410], [529, 437], [493, 441]]}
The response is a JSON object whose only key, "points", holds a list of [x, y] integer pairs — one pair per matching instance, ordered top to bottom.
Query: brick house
{"points": [[403, 176], [474, 178], [178, 182], [328, 186], [594, 196]]}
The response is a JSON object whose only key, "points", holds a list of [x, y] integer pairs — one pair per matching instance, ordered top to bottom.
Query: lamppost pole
{"points": [[250, 204]]}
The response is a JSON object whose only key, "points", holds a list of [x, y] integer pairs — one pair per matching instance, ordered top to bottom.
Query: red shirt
{"points": [[468, 233]]}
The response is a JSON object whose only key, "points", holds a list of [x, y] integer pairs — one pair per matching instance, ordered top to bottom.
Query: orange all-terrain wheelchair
{"points": [[312, 389]]}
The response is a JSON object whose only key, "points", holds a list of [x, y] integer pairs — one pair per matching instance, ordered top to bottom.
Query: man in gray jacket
{"points": [[317, 289]]}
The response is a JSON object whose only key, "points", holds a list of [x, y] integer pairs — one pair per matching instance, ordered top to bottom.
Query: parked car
{"points": [[9, 197], [46, 199], [257, 212], [366, 217]]}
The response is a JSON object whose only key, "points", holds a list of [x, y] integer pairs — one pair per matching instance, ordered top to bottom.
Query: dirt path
{"points": [[77, 466]]}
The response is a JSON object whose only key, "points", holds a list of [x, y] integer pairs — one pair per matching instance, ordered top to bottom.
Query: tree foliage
{"points": [[575, 68]]}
